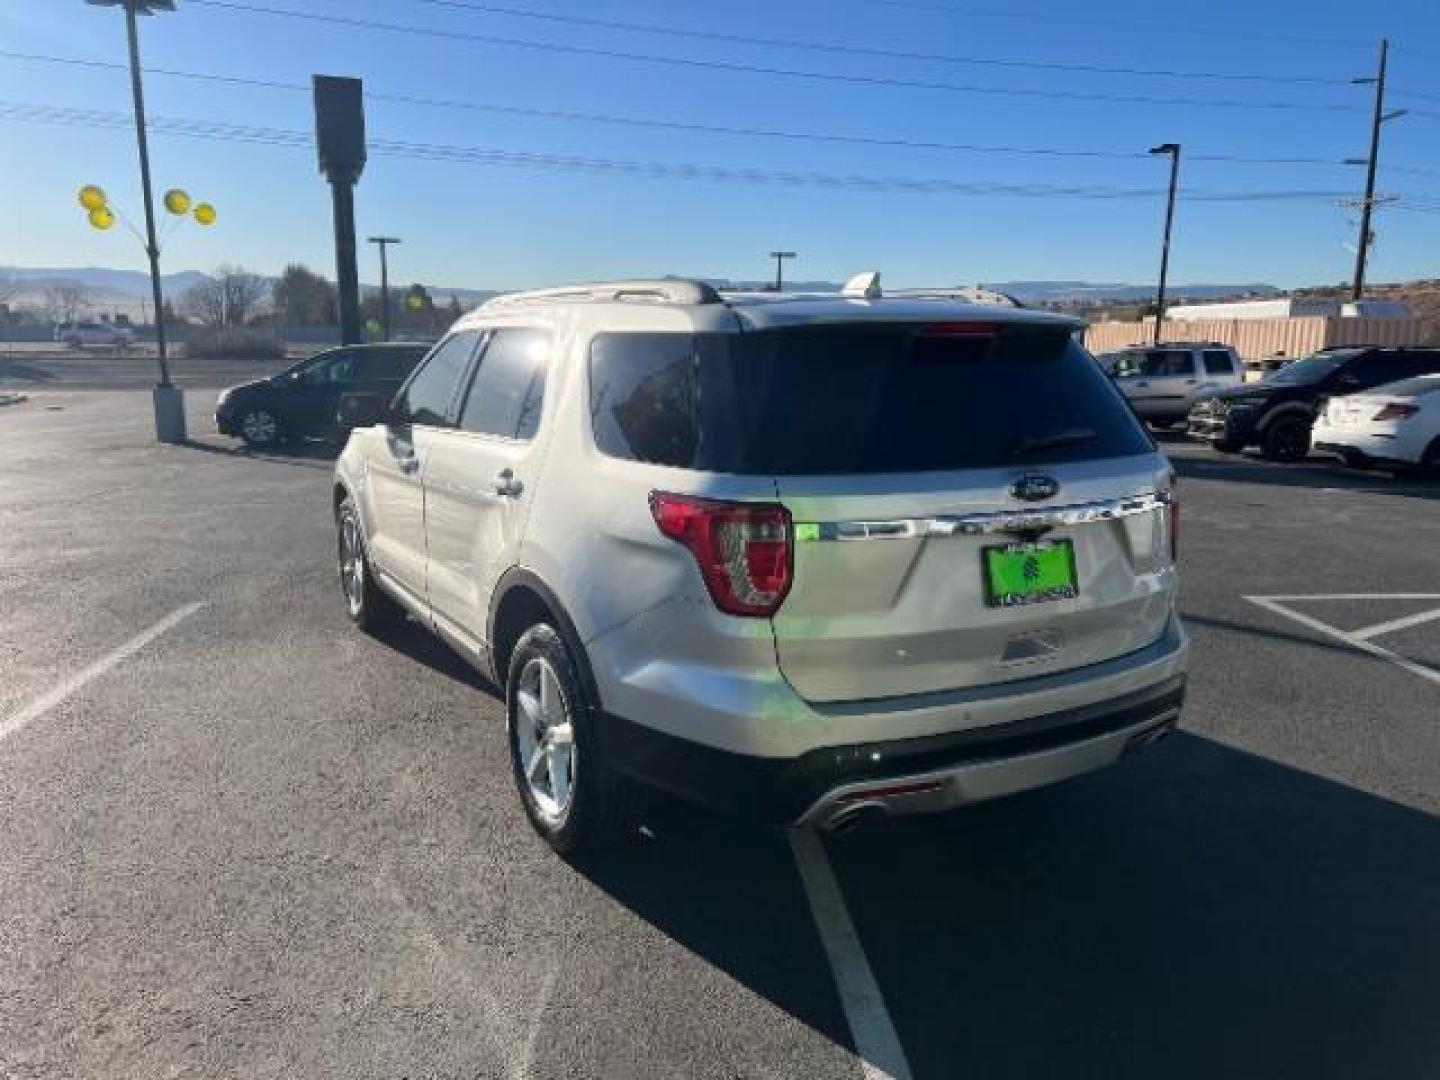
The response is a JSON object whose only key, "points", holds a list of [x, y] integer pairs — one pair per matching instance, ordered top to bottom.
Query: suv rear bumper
{"points": [[768, 754], [918, 775]]}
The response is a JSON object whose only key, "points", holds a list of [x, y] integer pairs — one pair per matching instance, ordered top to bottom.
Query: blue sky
{"points": [[481, 226]]}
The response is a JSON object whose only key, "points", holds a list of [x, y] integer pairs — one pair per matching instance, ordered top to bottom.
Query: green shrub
{"points": [[247, 342]]}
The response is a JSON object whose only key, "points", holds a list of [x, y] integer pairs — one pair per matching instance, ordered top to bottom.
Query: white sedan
{"points": [[1395, 426]]}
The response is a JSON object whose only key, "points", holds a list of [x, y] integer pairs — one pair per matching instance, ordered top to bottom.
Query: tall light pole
{"points": [[1173, 149], [1367, 204], [383, 242], [780, 257], [168, 401]]}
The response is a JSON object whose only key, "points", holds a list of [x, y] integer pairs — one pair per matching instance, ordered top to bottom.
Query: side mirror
{"points": [[362, 410]]}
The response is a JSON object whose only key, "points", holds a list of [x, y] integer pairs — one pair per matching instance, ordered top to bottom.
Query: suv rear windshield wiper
{"points": [[1034, 444]]}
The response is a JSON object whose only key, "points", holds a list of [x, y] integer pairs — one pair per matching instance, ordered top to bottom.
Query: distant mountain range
{"points": [[121, 286]]}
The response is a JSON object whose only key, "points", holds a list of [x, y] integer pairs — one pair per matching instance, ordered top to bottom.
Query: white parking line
{"points": [[1277, 604], [1405, 623], [47, 701], [881, 1055]]}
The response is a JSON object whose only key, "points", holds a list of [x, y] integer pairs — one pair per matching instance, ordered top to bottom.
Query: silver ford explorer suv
{"points": [[808, 559]]}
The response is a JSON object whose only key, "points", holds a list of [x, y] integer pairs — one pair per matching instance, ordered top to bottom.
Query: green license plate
{"points": [[1033, 573]]}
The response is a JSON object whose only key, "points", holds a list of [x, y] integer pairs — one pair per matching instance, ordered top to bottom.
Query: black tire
{"points": [[261, 427], [1286, 439], [1227, 446], [1430, 461], [367, 605], [603, 808]]}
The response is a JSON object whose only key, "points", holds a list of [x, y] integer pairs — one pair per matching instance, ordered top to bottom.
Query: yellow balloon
{"points": [[92, 197], [177, 202], [205, 214], [101, 217]]}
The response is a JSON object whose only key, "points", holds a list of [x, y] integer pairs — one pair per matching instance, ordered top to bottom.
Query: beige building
{"points": [[1261, 339]]}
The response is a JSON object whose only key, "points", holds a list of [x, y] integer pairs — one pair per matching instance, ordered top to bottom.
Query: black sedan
{"points": [[301, 401]]}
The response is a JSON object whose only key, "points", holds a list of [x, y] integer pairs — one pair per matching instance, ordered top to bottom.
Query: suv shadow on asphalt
{"points": [[310, 454], [1195, 912]]}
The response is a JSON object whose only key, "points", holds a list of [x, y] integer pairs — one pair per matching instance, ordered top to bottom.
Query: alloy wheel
{"points": [[259, 426], [352, 564], [545, 740]]}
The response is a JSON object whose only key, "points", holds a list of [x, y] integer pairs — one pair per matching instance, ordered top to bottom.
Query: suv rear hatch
{"points": [[941, 476]]}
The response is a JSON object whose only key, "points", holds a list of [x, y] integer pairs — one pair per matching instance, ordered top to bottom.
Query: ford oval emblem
{"points": [[1032, 487]]}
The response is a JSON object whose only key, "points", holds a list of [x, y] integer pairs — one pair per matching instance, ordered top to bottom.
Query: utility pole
{"points": [[1173, 149], [1367, 204], [383, 242], [780, 257], [169, 404]]}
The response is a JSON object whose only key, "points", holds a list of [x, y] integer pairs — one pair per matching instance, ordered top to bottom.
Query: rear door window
{"points": [[1219, 362], [1160, 363], [386, 365], [509, 385], [856, 398]]}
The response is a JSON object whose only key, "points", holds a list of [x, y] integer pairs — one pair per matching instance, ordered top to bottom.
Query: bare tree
{"points": [[232, 296], [303, 298], [66, 301]]}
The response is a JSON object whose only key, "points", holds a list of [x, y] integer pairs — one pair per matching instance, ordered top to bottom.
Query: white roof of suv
{"points": [[700, 307]]}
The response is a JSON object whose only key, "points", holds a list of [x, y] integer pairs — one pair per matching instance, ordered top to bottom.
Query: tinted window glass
{"points": [[1218, 362], [1127, 363], [1159, 363], [382, 364], [1377, 368], [331, 369], [1303, 372], [509, 385], [427, 397], [643, 397], [855, 399]]}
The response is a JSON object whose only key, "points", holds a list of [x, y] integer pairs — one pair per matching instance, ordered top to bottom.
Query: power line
{"points": [[1048, 19], [836, 48], [761, 69], [680, 125], [481, 155]]}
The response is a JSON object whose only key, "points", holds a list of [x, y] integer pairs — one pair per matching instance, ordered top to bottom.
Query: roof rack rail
{"points": [[659, 290], [971, 294]]}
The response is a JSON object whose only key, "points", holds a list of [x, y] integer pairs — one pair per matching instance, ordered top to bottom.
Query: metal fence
{"points": [[1260, 339]]}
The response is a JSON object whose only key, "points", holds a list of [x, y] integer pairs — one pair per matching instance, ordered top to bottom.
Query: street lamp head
{"points": [[141, 7], [1166, 148]]}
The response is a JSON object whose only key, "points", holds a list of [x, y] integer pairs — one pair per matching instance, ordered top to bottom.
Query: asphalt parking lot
{"points": [[239, 839]]}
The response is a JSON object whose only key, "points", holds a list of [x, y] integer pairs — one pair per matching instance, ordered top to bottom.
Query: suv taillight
{"points": [[1397, 410], [743, 549]]}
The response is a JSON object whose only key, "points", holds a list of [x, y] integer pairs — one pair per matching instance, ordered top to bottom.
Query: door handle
{"points": [[505, 484]]}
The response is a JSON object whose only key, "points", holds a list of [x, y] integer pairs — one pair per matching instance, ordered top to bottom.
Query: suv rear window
{"points": [[857, 398]]}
